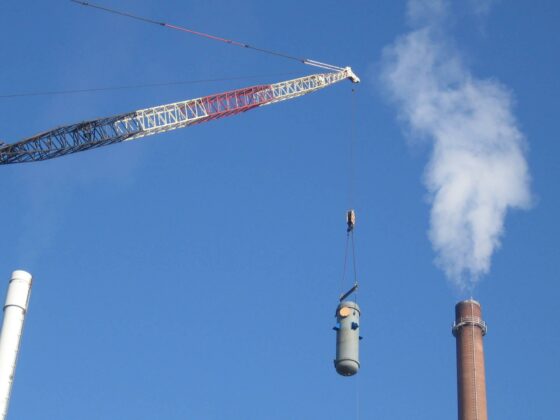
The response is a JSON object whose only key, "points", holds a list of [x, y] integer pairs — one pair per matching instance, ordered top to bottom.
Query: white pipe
{"points": [[17, 301]]}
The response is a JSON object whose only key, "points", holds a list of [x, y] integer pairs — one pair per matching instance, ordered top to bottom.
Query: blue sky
{"points": [[195, 274]]}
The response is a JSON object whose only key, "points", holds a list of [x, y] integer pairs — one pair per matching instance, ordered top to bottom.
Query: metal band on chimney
{"points": [[474, 321]]}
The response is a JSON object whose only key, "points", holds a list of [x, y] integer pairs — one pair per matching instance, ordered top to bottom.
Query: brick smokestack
{"points": [[468, 329]]}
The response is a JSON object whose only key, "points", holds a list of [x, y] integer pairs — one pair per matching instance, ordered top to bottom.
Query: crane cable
{"points": [[305, 61], [137, 86], [351, 182], [351, 214]]}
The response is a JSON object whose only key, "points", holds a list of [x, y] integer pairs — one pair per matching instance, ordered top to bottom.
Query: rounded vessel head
{"points": [[347, 304], [347, 367]]}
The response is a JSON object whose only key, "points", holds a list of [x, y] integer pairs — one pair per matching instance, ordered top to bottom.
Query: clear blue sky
{"points": [[195, 274]]}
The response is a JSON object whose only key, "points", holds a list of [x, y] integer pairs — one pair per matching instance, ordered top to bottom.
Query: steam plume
{"points": [[477, 170]]}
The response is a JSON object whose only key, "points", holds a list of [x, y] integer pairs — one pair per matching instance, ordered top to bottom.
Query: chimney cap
{"points": [[471, 300]]}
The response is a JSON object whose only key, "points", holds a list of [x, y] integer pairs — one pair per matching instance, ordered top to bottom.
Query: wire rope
{"points": [[306, 61], [135, 86], [351, 174], [351, 198], [350, 243], [354, 259], [358, 397]]}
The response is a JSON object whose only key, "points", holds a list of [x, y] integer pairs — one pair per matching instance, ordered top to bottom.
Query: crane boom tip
{"points": [[351, 75]]}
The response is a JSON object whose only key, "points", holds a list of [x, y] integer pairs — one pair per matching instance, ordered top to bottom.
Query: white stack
{"points": [[15, 309]]}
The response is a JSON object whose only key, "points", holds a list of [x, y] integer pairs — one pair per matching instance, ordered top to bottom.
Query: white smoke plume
{"points": [[477, 169]]}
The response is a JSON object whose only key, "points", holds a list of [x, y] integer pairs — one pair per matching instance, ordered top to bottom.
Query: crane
{"points": [[159, 119], [145, 122], [99, 132]]}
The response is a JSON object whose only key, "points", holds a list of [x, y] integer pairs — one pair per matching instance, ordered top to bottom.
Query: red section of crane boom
{"points": [[234, 102]]}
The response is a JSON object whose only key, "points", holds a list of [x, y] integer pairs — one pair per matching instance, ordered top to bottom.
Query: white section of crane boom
{"points": [[297, 87]]}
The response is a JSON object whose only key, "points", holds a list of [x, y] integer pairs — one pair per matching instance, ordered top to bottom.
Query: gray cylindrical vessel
{"points": [[347, 362]]}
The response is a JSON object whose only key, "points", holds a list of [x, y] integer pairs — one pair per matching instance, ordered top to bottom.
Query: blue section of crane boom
{"points": [[70, 139]]}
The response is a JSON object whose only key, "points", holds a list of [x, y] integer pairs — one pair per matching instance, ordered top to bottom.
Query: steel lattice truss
{"points": [[104, 131]]}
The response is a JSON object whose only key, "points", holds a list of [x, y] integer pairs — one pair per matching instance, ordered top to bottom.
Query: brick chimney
{"points": [[468, 329]]}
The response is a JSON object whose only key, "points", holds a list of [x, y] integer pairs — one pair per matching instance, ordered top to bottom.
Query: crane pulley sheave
{"points": [[145, 122]]}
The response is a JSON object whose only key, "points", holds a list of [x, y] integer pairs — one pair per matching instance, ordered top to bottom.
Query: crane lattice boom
{"points": [[145, 122]]}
